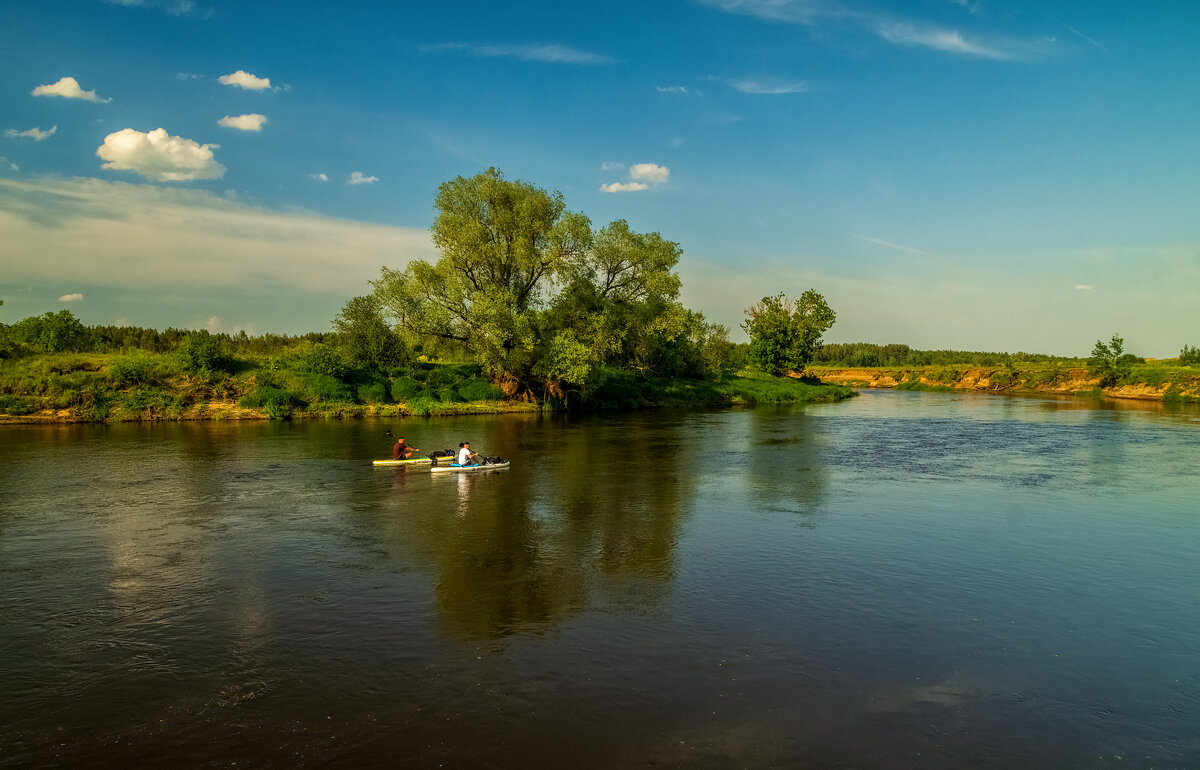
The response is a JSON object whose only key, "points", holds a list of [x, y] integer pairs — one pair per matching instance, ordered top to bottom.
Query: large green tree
{"points": [[503, 245], [785, 333]]}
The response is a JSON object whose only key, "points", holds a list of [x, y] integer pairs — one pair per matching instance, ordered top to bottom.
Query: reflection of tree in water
{"points": [[785, 464], [580, 519]]}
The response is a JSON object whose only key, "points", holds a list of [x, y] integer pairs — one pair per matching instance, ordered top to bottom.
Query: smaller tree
{"points": [[785, 333], [366, 336], [201, 353], [1189, 356], [1110, 362]]}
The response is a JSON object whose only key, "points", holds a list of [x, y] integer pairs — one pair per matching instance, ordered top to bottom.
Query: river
{"points": [[938, 580]]}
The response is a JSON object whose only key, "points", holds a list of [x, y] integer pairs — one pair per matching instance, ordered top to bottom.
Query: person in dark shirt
{"points": [[402, 451]]}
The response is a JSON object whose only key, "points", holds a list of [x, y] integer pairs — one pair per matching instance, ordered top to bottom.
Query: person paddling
{"points": [[402, 451], [465, 455]]}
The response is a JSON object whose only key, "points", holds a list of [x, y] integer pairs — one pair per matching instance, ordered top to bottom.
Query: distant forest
{"points": [[62, 332]]}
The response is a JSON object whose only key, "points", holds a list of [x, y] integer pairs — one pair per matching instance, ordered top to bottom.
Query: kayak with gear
{"points": [[441, 454], [486, 464]]}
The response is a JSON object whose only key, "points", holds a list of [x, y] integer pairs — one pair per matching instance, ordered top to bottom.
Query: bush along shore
{"points": [[1167, 381], [142, 386]]}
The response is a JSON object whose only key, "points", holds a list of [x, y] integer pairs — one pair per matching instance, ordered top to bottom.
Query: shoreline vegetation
{"points": [[148, 387]]}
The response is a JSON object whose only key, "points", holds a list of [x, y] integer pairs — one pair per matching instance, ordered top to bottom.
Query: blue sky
{"points": [[970, 174]]}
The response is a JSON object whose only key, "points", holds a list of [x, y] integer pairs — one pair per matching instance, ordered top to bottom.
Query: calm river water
{"points": [[901, 580]]}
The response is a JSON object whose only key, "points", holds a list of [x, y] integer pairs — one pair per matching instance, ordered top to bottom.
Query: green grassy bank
{"points": [[143, 386]]}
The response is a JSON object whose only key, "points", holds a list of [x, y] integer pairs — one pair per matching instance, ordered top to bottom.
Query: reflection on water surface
{"points": [[906, 579]]}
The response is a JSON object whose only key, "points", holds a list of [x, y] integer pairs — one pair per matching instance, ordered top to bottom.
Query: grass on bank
{"points": [[138, 385]]}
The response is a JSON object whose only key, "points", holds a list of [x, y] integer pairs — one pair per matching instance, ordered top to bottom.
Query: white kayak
{"points": [[410, 461], [456, 468]]}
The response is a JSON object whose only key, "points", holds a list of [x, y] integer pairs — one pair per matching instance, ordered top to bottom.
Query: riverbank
{"points": [[1147, 382], [72, 388]]}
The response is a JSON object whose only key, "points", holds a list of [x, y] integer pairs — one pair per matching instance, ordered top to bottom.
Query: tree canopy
{"points": [[534, 294], [785, 333]]}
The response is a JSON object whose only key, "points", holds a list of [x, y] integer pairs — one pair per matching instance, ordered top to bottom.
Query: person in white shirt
{"points": [[465, 455]]}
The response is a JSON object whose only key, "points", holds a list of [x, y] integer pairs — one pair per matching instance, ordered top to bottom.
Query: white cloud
{"points": [[948, 40], [548, 53], [188, 76], [245, 80], [760, 87], [68, 88], [672, 90], [250, 122], [36, 134], [159, 156], [5, 163], [612, 166], [649, 172], [641, 176], [319, 177], [358, 178], [170, 242], [1083, 287], [71, 298]]}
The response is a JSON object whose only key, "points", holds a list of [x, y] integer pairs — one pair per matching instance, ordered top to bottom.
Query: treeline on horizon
{"points": [[62, 332]]}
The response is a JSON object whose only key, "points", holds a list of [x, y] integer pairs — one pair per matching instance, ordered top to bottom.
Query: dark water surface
{"points": [[902, 580]]}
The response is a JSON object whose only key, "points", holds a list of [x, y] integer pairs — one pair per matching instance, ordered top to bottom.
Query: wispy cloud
{"points": [[171, 7], [791, 11], [895, 30], [937, 38], [1085, 38], [552, 53], [767, 87], [68, 88], [672, 90], [251, 122], [36, 134], [159, 156], [7, 165], [319, 177], [358, 177], [614, 187], [187, 241], [890, 245], [1083, 287], [71, 298]]}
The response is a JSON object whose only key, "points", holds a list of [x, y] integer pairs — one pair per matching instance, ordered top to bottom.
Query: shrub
{"points": [[200, 353], [1189, 356], [405, 387], [478, 389], [373, 393], [276, 402]]}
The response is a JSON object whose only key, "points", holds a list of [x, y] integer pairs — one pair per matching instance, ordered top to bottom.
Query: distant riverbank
{"points": [[1148, 382]]}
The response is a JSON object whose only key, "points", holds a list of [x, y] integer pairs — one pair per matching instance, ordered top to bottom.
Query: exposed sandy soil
{"points": [[981, 379]]}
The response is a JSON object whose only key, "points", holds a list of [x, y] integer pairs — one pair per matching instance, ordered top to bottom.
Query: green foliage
{"points": [[51, 332], [785, 333], [366, 337], [200, 353], [1189, 356], [323, 358], [1110, 363], [404, 388], [479, 389], [373, 393], [276, 402]]}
